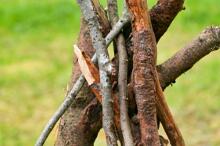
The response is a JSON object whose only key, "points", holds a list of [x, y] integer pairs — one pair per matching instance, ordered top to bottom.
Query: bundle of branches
{"points": [[124, 95]]}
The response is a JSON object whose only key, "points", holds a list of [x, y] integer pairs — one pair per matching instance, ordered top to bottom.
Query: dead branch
{"points": [[185, 58], [144, 61], [122, 85]]}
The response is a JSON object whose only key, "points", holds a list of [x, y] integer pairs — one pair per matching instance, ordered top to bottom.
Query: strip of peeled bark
{"points": [[185, 58], [144, 61], [104, 68], [91, 73], [122, 75]]}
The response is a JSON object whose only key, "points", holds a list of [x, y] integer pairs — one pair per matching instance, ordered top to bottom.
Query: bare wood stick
{"points": [[104, 68], [122, 77], [77, 86]]}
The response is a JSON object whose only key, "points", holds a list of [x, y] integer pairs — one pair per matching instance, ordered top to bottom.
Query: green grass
{"points": [[36, 40]]}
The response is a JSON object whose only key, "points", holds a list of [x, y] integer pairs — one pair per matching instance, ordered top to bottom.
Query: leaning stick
{"points": [[122, 75]]}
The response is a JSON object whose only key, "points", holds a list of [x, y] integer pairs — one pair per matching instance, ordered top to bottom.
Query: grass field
{"points": [[36, 39]]}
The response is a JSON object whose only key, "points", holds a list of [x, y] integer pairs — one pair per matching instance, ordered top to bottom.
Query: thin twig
{"points": [[122, 77], [77, 86]]}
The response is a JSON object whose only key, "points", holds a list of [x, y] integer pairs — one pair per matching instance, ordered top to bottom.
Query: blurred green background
{"points": [[36, 39]]}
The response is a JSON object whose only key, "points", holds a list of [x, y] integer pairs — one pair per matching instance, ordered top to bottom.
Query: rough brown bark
{"points": [[163, 13], [143, 36], [185, 58], [144, 61]]}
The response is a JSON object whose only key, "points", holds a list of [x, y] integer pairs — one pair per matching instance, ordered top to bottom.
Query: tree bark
{"points": [[185, 58], [144, 61]]}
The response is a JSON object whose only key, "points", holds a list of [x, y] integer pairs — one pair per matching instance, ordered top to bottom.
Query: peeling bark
{"points": [[71, 129]]}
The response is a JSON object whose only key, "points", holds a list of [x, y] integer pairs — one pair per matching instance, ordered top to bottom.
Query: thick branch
{"points": [[162, 15], [184, 59], [144, 60]]}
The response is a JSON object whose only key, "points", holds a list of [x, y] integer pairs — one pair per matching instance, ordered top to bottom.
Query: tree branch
{"points": [[162, 15], [184, 59], [144, 61]]}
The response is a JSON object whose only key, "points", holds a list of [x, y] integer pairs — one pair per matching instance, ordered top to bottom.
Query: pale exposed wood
{"points": [[83, 66]]}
